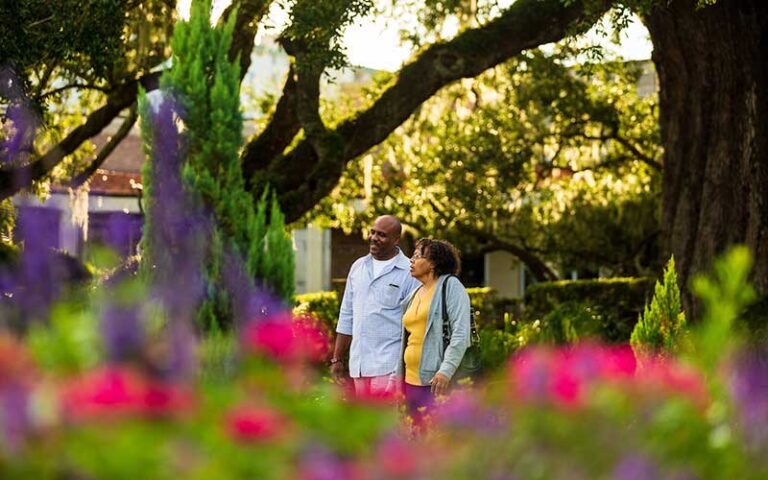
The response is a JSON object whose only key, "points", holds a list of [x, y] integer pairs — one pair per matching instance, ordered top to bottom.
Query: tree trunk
{"points": [[713, 72]]}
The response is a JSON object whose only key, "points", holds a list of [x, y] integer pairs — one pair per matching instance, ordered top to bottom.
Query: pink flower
{"points": [[286, 339], [563, 376], [117, 391], [246, 424], [396, 458]]}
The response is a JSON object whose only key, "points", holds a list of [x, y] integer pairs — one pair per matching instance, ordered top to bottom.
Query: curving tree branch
{"points": [[249, 13], [107, 149], [303, 177]]}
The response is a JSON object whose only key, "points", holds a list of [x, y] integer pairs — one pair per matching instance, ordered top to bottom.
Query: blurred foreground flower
{"points": [[287, 339], [565, 376], [16, 380], [115, 392], [247, 424]]}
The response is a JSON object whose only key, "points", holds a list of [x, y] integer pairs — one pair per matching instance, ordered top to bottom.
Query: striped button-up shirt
{"points": [[371, 313]]}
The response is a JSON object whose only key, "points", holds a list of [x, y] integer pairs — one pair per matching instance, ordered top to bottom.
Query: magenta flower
{"points": [[285, 339], [118, 392], [247, 424]]}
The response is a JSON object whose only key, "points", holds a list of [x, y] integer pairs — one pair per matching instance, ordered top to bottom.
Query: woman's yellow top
{"points": [[415, 323]]}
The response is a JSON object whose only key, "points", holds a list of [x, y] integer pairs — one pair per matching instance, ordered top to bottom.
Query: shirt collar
{"points": [[401, 261]]}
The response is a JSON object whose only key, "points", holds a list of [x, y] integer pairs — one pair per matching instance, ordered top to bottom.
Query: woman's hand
{"points": [[439, 384]]}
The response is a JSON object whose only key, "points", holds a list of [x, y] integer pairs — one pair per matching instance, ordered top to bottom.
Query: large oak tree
{"points": [[710, 56]]}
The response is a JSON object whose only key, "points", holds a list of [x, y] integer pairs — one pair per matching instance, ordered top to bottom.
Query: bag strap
{"points": [[446, 323], [474, 337]]}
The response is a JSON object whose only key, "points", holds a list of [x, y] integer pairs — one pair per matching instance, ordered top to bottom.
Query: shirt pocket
{"points": [[388, 295]]}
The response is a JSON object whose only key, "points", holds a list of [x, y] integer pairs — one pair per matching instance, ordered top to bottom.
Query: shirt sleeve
{"points": [[344, 325]]}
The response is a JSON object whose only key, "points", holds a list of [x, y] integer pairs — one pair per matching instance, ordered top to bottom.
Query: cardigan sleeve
{"points": [[458, 309]]}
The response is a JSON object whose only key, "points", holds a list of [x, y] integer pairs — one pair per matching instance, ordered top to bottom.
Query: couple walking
{"points": [[391, 319]]}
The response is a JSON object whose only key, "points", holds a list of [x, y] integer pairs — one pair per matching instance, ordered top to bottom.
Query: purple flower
{"points": [[20, 122], [37, 280], [123, 332], [749, 387], [464, 410], [15, 419], [319, 463], [635, 467]]}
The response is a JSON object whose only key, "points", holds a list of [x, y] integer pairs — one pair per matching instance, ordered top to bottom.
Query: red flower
{"points": [[286, 339], [116, 391], [247, 424]]}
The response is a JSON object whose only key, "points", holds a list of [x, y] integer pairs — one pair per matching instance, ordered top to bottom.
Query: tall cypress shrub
{"points": [[206, 86], [661, 327]]}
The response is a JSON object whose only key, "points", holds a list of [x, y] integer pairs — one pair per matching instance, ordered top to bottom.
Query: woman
{"points": [[427, 364]]}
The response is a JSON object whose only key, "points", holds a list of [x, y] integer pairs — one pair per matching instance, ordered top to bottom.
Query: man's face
{"points": [[383, 239]]}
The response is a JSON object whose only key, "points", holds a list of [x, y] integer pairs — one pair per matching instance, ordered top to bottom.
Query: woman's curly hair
{"points": [[443, 256]]}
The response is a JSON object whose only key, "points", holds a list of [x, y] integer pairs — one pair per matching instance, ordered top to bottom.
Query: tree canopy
{"points": [[709, 55], [553, 161]]}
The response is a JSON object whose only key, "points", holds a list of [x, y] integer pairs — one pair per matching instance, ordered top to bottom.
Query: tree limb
{"points": [[249, 14], [526, 24], [83, 86], [121, 97], [279, 133], [107, 149], [13, 180]]}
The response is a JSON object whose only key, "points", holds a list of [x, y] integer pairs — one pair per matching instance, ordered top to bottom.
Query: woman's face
{"points": [[421, 266]]}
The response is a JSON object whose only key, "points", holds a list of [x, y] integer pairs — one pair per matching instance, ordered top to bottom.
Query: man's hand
{"points": [[338, 372], [439, 384]]}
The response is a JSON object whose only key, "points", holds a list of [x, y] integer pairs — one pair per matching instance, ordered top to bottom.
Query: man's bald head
{"points": [[384, 237]]}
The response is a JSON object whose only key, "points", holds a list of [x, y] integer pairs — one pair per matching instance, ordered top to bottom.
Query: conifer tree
{"points": [[205, 87], [661, 326]]}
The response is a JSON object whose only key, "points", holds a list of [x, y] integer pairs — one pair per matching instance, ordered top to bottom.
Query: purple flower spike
{"points": [[19, 123], [38, 280], [123, 332], [749, 387], [463, 410], [14, 415], [321, 464], [635, 467]]}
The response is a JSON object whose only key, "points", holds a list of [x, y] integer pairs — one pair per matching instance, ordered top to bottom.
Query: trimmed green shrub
{"points": [[324, 306], [573, 309], [491, 310], [662, 323]]}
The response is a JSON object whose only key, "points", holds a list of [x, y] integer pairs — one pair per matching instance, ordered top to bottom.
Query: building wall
{"points": [[313, 259], [504, 273]]}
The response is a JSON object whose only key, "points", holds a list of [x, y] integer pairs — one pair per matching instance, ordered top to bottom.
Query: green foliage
{"points": [[316, 29], [40, 34], [207, 86], [541, 154], [278, 256], [725, 294], [323, 306], [570, 309], [661, 326], [70, 343], [216, 352]]}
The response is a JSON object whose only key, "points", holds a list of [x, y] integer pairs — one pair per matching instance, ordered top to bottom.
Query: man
{"points": [[370, 320]]}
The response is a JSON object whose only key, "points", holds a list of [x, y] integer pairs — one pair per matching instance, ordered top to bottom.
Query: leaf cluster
{"points": [[549, 155]]}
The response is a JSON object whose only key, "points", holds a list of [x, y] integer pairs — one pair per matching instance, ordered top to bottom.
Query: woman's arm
{"points": [[457, 301]]}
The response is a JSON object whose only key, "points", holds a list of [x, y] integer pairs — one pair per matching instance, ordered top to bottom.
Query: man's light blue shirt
{"points": [[371, 313]]}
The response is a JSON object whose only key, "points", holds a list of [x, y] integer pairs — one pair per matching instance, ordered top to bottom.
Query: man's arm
{"points": [[343, 332], [338, 362]]}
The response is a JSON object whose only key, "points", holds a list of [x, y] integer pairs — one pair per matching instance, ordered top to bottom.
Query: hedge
{"points": [[324, 306], [491, 309], [567, 310]]}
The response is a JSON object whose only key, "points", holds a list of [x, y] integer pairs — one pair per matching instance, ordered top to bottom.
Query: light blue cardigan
{"points": [[433, 358]]}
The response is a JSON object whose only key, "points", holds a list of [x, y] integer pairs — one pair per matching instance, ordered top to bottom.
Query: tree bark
{"points": [[713, 72]]}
